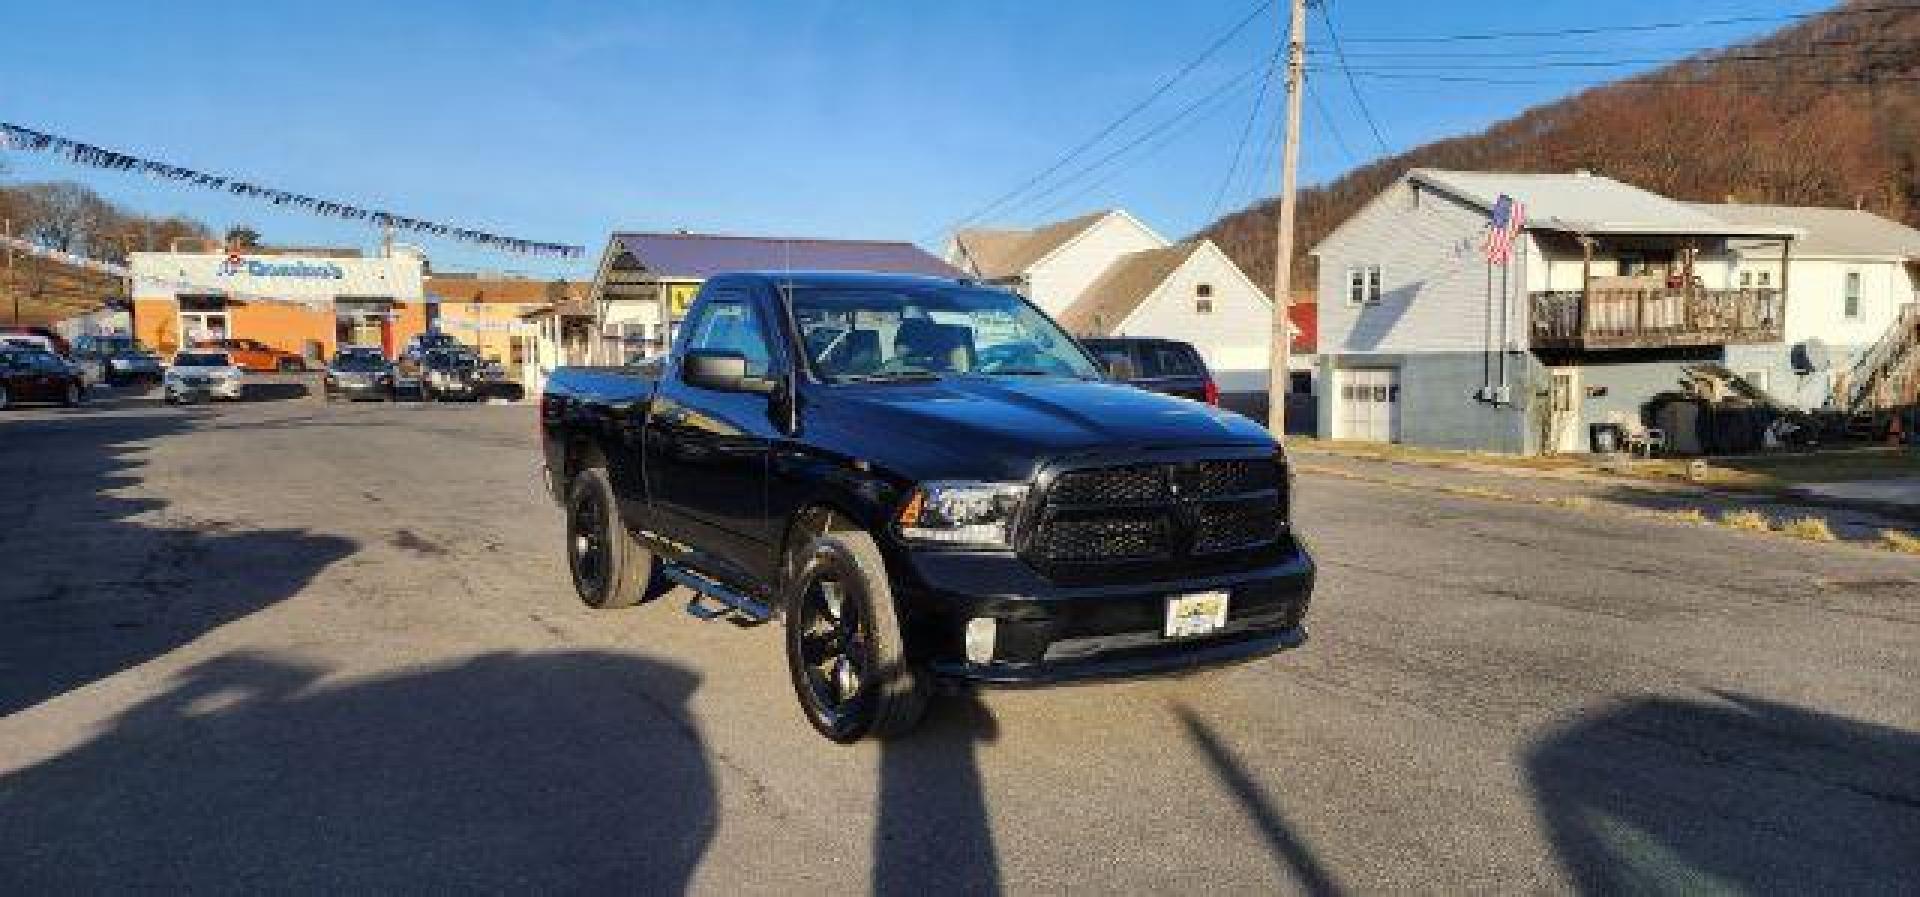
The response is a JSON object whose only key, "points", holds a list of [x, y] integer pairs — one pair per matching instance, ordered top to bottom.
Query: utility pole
{"points": [[6, 228], [1281, 357]]}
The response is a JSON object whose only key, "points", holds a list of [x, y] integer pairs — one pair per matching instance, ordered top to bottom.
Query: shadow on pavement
{"points": [[275, 391], [96, 582], [527, 773], [1662, 795], [932, 833], [1286, 847]]}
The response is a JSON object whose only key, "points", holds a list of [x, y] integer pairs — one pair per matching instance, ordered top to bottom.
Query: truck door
{"points": [[707, 451]]}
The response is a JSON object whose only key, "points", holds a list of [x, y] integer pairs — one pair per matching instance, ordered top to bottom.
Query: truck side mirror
{"points": [[721, 370]]}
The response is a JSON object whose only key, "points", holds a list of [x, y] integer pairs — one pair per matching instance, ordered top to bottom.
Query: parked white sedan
{"points": [[197, 373]]}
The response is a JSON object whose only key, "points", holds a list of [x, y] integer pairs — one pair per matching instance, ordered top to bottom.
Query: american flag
{"points": [[1509, 215]]}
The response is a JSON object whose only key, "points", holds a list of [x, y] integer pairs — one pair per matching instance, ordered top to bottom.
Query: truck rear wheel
{"points": [[610, 567], [845, 650]]}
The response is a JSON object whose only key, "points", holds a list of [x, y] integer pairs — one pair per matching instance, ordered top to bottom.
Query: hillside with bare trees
{"points": [[1826, 112], [73, 218]]}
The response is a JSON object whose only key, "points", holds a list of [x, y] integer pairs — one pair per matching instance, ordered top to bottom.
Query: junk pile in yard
{"points": [[1716, 412]]}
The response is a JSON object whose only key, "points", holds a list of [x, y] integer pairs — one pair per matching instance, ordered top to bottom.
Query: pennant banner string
{"points": [[22, 138]]}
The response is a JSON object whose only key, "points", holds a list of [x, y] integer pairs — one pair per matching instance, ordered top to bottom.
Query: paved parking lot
{"points": [[291, 645]]}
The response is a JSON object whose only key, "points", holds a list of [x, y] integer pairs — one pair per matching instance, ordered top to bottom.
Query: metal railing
{"points": [[1652, 318], [1881, 377]]}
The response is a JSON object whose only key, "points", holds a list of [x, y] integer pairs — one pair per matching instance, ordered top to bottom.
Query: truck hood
{"points": [[1002, 427]]}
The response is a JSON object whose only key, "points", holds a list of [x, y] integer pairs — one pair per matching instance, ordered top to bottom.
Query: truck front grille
{"points": [[1163, 518]]}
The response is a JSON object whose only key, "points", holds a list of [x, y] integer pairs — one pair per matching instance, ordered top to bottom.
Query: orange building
{"points": [[305, 301]]}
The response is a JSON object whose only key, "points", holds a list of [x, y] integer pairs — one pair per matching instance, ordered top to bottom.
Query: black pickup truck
{"points": [[925, 479]]}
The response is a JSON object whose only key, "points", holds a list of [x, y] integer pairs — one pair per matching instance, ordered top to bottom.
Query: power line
{"points": [[1615, 29], [1900, 46], [1719, 59], [1707, 81], [1352, 85], [1225, 90], [1259, 100], [1116, 124], [1332, 128]]}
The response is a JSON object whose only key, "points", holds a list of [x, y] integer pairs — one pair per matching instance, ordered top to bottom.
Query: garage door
{"points": [[1369, 405]]}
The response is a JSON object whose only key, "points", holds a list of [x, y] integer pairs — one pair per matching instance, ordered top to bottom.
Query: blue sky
{"points": [[561, 121]]}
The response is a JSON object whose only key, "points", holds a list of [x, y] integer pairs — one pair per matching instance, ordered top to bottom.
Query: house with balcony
{"points": [[1613, 294]]}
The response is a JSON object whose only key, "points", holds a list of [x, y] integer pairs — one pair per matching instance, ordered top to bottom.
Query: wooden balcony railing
{"points": [[1655, 318]]}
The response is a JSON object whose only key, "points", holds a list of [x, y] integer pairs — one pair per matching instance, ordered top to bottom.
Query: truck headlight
{"points": [[958, 512]]}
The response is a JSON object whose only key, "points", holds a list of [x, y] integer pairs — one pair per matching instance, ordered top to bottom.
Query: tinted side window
{"points": [[729, 324], [1114, 358], [1168, 360]]}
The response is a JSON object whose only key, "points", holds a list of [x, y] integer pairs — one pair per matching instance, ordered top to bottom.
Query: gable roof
{"points": [[1590, 204], [1830, 232], [1003, 253], [700, 256], [501, 289], [1110, 300]]}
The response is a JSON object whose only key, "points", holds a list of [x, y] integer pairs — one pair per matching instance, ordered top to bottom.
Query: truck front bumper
{"points": [[1048, 634]]}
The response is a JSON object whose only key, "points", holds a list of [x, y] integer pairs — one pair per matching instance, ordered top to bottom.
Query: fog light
{"points": [[980, 635]]}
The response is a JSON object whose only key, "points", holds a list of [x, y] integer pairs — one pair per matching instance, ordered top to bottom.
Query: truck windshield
{"points": [[877, 334]]}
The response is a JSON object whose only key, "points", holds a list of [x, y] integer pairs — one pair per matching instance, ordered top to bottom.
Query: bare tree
{"points": [[66, 216]]}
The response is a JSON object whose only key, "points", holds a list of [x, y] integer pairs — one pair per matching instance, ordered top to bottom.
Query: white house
{"points": [[1106, 274], [1852, 275], [1614, 295]]}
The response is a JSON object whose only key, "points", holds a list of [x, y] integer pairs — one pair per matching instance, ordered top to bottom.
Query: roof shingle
{"points": [[1003, 253], [700, 256], [1109, 301]]}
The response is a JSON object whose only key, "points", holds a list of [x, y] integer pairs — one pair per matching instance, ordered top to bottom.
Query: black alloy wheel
{"points": [[587, 547], [610, 567], [845, 650], [836, 654]]}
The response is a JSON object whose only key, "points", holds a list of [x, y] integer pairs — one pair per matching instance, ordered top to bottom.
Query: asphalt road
{"points": [[284, 645]]}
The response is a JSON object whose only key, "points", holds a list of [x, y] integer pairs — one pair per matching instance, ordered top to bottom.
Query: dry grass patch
{"points": [[1683, 515], [1751, 521], [1812, 529], [1895, 540]]}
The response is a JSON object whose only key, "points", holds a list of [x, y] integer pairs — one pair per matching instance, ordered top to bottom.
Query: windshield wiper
{"points": [[889, 376]]}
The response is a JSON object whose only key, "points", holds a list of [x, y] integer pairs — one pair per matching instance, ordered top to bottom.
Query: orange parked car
{"points": [[254, 355]]}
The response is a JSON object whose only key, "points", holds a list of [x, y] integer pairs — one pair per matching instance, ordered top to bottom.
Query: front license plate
{"points": [[1196, 614]]}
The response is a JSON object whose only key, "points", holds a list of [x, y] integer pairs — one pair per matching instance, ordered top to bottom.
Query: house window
{"points": [[1766, 278], [1746, 279], [1363, 285], [1203, 290], [1853, 294], [1755, 379]]}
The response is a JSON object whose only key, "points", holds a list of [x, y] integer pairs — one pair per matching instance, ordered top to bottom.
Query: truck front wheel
{"points": [[610, 567], [845, 651]]}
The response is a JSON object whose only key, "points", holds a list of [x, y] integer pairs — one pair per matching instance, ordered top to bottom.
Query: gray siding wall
{"points": [[1433, 278], [1628, 387], [1806, 391], [1437, 404]]}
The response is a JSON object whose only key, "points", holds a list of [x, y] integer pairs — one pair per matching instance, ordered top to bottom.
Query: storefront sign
{"points": [[236, 265], [679, 297]]}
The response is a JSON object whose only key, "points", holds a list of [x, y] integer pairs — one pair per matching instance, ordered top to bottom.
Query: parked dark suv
{"points": [[1161, 365]]}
